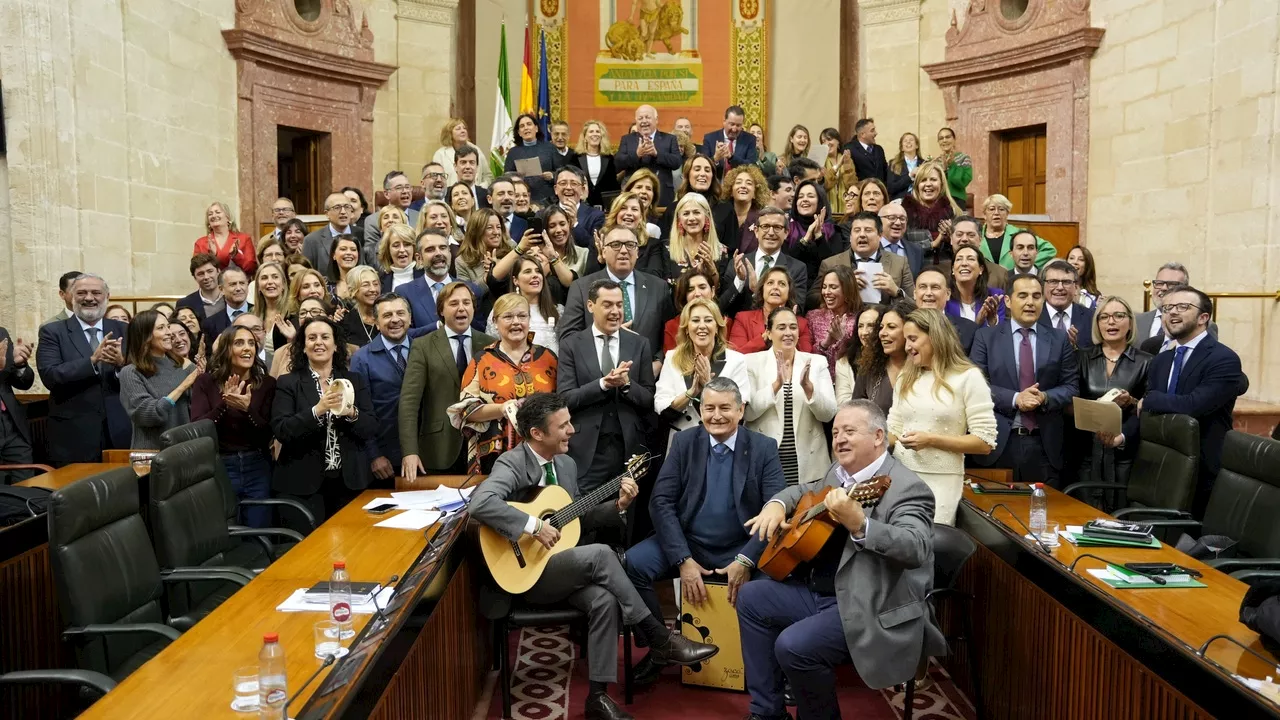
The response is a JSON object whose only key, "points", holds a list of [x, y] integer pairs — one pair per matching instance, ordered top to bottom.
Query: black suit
{"points": [[744, 149], [667, 160], [868, 163], [606, 182], [481, 196], [196, 304], [651, 310], [1081, 320], [213, 326], [966, 329], [85, 415], [609, 423], [15, 436], [300, 470]]}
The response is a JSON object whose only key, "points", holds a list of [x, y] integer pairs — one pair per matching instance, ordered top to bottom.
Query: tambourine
{"points": [[348, 396]]}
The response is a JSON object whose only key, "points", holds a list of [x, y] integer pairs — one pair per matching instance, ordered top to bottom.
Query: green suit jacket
{"points": [[1045, 251], [431, 384]]}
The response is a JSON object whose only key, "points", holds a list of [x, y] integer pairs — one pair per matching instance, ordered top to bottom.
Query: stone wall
{"points": [[896, 37]]}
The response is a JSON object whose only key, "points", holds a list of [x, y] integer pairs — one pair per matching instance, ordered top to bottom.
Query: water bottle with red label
{"points": [[340, 599], [273, 691]]}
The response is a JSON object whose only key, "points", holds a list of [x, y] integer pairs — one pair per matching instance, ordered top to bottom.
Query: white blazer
{"points": [[844, 380], [671, 385], [764, 412]]}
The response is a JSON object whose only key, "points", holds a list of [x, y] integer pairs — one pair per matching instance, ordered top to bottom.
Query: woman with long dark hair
{"points": [[530, 144], [699, 177], [812, 235], [1082, 260], [528, 279], [971, 296], [834, 324], [884, 358], [846, 367], [154, 385], [236, 394], [321, 427]]}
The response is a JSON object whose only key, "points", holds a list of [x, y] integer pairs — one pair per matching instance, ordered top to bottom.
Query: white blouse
{"points": [[593, 168], [968, 410]]}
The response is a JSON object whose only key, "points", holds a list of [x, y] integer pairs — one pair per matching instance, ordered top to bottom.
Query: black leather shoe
{"points": [[680, 650], [647, 671], [788, 695], [602, 707]]}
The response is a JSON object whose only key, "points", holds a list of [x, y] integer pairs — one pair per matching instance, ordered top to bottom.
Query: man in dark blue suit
{"points": [[726, 147], [650, 148], [868, 157], [571, 190], [502, 195], [893, 220], [932, 292], [421, 294], [235, 295], [1061, 311], [78, 359], [381, 364], [1032, 373], [1199, 377], [15, 435], [715, 478]]}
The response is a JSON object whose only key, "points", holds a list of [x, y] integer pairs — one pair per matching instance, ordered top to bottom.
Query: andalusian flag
{"points": [[526, 78], [502, 140]]}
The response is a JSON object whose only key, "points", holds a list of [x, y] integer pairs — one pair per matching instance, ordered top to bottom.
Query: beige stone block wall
{"points": [[896, 37], [804, 72], [1184, 163]]}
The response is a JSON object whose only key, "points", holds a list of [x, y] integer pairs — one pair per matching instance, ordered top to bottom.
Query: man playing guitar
{"points": [[590, 577], [862, 597]]}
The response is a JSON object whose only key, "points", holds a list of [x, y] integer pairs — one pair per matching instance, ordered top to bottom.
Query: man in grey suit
{"points": [[399, 194], [317, 245], [894, 278], [646, 298], [1150, 328], [606, 377], [590, 577], [861, 598]]}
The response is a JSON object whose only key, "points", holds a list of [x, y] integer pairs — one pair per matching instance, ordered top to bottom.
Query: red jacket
{"points": [[246, 256], [747, 335]]}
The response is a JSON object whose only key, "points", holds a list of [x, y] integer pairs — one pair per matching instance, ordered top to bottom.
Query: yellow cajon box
{"points": [[716, 621]]}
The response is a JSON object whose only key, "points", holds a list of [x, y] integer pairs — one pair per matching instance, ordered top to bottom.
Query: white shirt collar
{"points": [[865, 146], [336, 232], [426, 278], [617, 279], [1053, 313], [1013, 323], [85, 326], [600, 333], [464, 334], [1193, 342], [731, 443], [541, 460], [864, 474]]}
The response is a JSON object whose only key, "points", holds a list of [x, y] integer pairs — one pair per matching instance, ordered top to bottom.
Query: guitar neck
{"points": [[584, 504]]}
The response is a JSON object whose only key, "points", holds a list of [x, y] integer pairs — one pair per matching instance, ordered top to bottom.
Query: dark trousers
{"points": [[14, 450], [1026, 457], [607, 463], [250, 474], [323, 504], [646, 563], [788, 629]]}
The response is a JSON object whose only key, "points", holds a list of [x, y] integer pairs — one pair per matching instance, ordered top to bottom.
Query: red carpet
{"points": [[548, 683]]}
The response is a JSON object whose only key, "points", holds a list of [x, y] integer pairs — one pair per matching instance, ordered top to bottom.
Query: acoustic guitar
{"points": [[812, 526], [516, 566]]}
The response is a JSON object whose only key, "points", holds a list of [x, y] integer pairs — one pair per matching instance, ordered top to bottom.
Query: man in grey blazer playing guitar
{"points": [[590, 577], [862, 597]]}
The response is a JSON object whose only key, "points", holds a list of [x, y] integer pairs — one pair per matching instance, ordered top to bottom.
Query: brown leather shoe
{"points": [[680, 650], [602, 707]]}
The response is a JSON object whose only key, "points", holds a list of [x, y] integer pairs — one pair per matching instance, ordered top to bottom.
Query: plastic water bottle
{"points": [[1039, 510], [340, 600], [273, 691]]}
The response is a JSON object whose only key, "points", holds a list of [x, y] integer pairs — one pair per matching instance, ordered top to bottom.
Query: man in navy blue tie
{"points": [[1198, 376]]}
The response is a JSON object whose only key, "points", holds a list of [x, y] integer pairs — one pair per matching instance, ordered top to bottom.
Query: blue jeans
{"points": [[250, 473], [646, 563]]}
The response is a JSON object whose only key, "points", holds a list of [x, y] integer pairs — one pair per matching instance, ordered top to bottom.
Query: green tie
{"points": [[765, 264], [626, 303], [549, 472]]}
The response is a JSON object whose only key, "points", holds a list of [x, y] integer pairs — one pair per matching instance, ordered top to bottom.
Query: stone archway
{"points": [[304, 64]]}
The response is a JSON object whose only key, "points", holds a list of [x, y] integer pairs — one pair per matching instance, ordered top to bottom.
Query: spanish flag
{"points": [[526, 78]]}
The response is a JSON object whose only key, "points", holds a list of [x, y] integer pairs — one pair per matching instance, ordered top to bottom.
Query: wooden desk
{"points": [[67, 474], [1062, 644], [439, 677]]}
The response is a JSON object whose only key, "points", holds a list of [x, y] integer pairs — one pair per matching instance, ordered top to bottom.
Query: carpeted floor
{"points": [[548, 683]]}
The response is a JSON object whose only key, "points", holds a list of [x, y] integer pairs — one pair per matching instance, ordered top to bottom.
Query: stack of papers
{"points": [[443, 498], [411, 520], [1075, 535], [1118, 577], [297, 602]]}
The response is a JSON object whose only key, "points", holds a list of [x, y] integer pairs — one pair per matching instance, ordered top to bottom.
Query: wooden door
{"points": [[1022, 169], [306, 174]]}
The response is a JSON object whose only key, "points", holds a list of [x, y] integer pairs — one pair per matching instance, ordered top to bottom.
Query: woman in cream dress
{"points": [[942, 410]]}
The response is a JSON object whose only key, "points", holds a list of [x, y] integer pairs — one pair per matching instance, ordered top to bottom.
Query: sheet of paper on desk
{"points": [[529, 167], [867, 271], [1097, 416], [431, 499], [411, 519], [297, 603]]}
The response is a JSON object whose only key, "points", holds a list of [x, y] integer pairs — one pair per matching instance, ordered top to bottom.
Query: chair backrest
{"points": [[206, 428], [1167, 463], [1245, 501], [187, 522], [952, 548], [103, 566]]}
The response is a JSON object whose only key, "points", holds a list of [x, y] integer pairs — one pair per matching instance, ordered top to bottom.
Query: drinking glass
{"points": [[1050, 535], [328, 641], [245, 684]]}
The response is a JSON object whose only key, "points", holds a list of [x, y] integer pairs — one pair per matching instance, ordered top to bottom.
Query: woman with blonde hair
{"points": [[453, 136], [797, 147], [595, 157], [903, 166], [699, 176], [743, 193], [930, 207], [628, 210], [437, 215], [224, 240], [693, 242], [484, 243], [396, 254], [271, 303], [359, 324], [701, 353], [497, 381], [942, 410]]}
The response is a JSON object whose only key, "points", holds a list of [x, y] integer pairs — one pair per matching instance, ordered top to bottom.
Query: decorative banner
{"points": [[689, 58]]}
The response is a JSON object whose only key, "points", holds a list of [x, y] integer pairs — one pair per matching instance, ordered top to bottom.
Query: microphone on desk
{"points": [[466, 501], [1043, 548], [1072, 567], [378, 615], [328, 660]]}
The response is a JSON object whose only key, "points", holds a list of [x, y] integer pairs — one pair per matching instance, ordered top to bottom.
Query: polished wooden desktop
{"points": [[61, 477], [1060, 643], [191, 678]]}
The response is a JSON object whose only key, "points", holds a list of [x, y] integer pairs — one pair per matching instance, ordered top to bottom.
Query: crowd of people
{"points": [[658, 293]]}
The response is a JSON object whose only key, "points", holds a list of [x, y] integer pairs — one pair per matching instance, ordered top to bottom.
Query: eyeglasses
{"points": [[435, 176], [568, 183], [401, 188], [347, 208], [282, 211], [894, 219], [770, 228], [619, 246], [1059, 282], [1163, 284], [1179, 308], [305, 314], [1117, 316], [514, 317]]}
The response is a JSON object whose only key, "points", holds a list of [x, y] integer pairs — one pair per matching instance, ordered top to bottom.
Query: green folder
{"points": [[1098, 541], [1108, 576]]}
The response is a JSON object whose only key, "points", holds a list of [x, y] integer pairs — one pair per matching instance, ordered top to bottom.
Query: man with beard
{"points": [[433, 185], [502, 194], [282, 211], [894, 277], [423, 293], [207, 298], [78, 359], [438, 361], [381, 364], [1198, 376]]}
